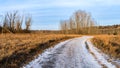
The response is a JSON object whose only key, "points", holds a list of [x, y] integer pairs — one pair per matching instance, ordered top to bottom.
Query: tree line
{"points": [[13, 22], [80, 22]]}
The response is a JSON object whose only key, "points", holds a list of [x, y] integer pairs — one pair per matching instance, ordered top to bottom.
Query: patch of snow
{"points": [[42, 57], [100, 57]]}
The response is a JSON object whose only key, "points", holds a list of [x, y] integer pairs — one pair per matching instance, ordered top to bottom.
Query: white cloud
{"points": [[71, 3], [31, 4]]}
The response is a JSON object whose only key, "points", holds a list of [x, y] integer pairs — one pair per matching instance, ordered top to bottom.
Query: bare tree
{"points": [[13, 22], [19, 22], [28, 23], [80, 23], [71, 24], [64, 26]]}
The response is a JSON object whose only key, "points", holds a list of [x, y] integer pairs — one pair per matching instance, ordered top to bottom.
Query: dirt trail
{"points": [[74, 53]]}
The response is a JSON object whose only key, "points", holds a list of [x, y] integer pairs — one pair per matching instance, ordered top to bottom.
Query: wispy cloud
{"points": [[31, 4]]}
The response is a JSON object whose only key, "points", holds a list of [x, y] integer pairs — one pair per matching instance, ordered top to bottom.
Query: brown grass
{"points": [[109, 44], [18, 49]]}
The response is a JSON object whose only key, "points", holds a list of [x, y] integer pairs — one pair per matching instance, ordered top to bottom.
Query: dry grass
{"points": [[110, 44], [18, 49]]}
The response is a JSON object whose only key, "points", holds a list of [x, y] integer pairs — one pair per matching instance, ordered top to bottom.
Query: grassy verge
{"points": [[109, 44], [19, 49]]}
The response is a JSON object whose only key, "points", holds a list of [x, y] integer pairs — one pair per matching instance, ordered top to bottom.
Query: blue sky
{"points": [[47, 14]]}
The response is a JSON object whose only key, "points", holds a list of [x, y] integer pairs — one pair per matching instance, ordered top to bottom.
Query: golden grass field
{"points": [[109, 44], [18, 49]]}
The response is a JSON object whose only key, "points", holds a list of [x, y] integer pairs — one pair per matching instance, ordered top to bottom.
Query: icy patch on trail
{"points": [[75, 55], [45, 56], [99, 56]]}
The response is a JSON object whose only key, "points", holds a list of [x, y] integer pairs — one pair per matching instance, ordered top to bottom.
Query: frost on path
{"points": [[72, 53]]}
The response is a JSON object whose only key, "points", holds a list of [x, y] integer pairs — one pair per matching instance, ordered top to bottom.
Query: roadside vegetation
{"points": [[110, 30], [109, 44], [18, 49]]}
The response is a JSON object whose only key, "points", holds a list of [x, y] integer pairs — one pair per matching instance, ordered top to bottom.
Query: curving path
{"points": [[73, 53]]}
